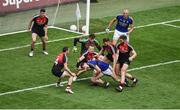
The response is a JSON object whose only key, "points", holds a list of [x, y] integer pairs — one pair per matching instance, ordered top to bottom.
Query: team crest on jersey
{"points": [[41, 21], [123, 48]]}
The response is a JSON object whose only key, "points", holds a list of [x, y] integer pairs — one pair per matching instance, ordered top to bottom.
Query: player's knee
{"points": [[33, 41], [43, 41], [123, 70]]}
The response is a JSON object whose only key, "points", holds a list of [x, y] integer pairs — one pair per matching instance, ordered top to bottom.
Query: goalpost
{"points": [[81, 13], [62, 14]]}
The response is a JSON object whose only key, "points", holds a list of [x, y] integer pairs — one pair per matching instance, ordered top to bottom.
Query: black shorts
{"points": [[40, 33], [109, 57], [124, 61], [81, 63], [57, 70]]}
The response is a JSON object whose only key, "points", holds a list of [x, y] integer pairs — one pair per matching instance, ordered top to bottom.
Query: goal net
{"points": [[67, 15]]}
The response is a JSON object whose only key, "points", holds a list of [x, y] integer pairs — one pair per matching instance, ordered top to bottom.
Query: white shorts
{"points": [[117, 34], [109, 71]]}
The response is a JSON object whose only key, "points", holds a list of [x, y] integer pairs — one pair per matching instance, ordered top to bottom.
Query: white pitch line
{"points": [[172, 25], [54, 27], [11, 33], [98, 33], [133, 69]]}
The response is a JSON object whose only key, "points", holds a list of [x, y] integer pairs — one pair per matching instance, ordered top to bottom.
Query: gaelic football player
{"points": [[124, 26], [39, 27], [85, 43], [109, 52], [125, 55], [82, 61], [101, 68], [60, 69]]}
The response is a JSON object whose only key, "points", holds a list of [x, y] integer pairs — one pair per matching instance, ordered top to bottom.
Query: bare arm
{"points": [[111, 23], [30, 25], [131, 26], [100, 52], [133, 55], [81, 58], [68, 70], [81, 71]]}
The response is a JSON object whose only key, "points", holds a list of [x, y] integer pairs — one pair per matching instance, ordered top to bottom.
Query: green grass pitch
{"points": [[158, 86]]}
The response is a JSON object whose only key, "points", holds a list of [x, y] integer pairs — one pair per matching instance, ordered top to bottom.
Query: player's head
{"points": [[42, 12], [126, 13], [91, 37], [123, 38], [106, 41], [91, 49], [65, 50]]}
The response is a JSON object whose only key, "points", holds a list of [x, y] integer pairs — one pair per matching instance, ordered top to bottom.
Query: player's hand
{"points": [[29, 29], [107, 30], [130, 59], [73, 74], [74, 78]]}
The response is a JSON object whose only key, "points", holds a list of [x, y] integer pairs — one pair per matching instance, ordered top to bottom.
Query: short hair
{"points": [[42, 10], [92, 36], [123, 37], [106, 40], [65, 49]]}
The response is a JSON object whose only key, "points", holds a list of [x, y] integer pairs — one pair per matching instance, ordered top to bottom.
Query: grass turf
{"points": [[158, 86]]}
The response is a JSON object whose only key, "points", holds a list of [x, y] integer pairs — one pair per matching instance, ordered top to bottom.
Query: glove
{"points": [[107, 30], [74, 49]]}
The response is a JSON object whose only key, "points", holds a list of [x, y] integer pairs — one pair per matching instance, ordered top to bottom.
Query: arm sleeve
{"points": [[131, 21], [82, 40]]}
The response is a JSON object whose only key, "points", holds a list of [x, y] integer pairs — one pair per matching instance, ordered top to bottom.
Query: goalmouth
{"points": [[62, 16]]}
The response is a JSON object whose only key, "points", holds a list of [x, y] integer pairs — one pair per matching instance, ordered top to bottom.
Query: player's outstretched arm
{"points": [[110, 24], [131, 26]]}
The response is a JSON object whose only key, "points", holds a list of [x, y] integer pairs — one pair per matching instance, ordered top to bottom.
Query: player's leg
{"points": [[34, 36], [115, 37], [127, 37], [76, 40], [44, 44], [83, 67], [117, 69], [56, 72], [123, 76], [70, 80], [96, 80], [134, 80]]}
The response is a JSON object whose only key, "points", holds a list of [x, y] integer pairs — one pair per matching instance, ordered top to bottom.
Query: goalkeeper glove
{"points": [[107, 30]]}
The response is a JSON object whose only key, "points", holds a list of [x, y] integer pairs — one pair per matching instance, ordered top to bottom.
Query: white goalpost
{"points": [[78, 18]]}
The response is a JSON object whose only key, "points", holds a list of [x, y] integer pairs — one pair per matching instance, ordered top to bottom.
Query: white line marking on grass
{"points": [[172, 25], [54, 27], [11, 33], [98, 33], [133, 69]]}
